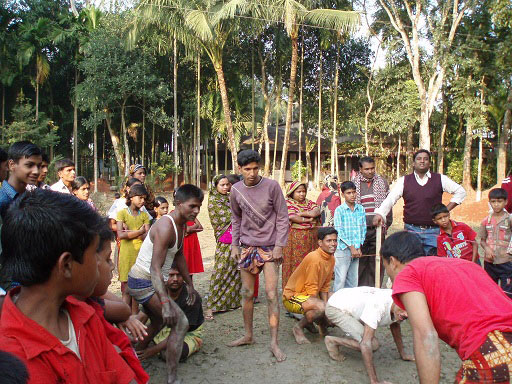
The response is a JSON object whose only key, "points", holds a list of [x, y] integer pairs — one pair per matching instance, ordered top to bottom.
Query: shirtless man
{"points": [[260, 231], [162, 247]]}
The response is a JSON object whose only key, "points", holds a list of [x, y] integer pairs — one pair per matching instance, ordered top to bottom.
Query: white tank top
{"points": [[143, 262]]}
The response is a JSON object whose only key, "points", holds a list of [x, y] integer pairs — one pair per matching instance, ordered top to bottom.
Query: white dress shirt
{"points": [[448, 185], [59, 186]]}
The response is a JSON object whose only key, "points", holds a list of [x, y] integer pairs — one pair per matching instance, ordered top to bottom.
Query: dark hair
{"points": [[23, 149], [422, 151], [3, 155], [248, 156], [45, 158], [365, 159], [63, 163], [234, 178], [218, 179], [78, 182], [128, 184], [346, 185], [136, 190], [187, 192], [498, 193], [117, 195], [160, 200], [437, 209], [56, 222], [324, 231], [105, 233], [403, 246], [13, 369]]}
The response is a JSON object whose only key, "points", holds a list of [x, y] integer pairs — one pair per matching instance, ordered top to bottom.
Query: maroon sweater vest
{"points": [[418, 200]]}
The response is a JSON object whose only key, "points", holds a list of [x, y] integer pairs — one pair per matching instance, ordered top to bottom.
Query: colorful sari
{"points": [[302, 238], [225, 281]]}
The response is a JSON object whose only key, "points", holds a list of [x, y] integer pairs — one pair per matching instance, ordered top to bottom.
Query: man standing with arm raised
{"points": [[260, 232], [162, 247]]}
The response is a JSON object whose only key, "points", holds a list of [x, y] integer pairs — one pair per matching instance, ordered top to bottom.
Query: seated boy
{"points": [[495, 234], [455, 239], [307, 289], [178, 291], [59, 338]]}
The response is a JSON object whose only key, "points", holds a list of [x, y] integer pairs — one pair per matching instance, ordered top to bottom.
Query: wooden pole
{"points": [[377, 257]]}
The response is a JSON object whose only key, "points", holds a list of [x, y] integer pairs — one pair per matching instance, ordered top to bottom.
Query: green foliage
{"points": [[455, 169], [298, 170], [160, 171], [52, 176]]}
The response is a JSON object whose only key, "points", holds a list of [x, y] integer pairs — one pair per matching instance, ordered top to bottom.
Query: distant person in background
{"points": [[4, 165], [66, 172], [139, 172], [42, 174], [506, 184], [82, 189], [328, 200], [161, 207]]}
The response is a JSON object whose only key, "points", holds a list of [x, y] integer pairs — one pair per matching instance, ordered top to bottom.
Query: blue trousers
{"points": [[427, 236], [346, 269]]}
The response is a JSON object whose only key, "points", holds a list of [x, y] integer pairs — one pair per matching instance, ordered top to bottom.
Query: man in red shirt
{"points": [[455, 239], [453, 300], [57, 337]]}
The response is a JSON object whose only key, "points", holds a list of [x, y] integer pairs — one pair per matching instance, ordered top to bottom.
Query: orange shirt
{"points": [[313, 275]]}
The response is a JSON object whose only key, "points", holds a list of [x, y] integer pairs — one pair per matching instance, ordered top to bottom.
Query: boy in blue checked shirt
{"points": [[350, 222]]}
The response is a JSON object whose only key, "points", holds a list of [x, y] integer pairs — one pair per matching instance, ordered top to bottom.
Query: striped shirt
{"points": [[351, 225]]}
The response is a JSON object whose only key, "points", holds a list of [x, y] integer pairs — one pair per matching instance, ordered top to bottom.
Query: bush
{"points": [[455, 168], [298, 171]]}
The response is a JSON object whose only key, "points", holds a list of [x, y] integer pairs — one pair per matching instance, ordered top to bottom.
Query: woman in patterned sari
{"points": [[303, 215], [225, 281]]}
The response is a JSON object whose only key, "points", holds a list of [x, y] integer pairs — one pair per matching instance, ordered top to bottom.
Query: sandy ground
{"points": [[217, 363]]}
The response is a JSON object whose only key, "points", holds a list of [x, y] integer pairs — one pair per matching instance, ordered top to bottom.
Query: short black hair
{"points": [[23, 149], [422, 151], [3, 155], [248, 156], [45, 158], [366, 159], [63, 163], [234, 178], [78, 182], [346, 185], [136, 190], [187, 192], [498, 193], [117, 195], [160, 200], [437, 209], [55, 223], [324, 231], [105, 233], [403, 246], [13, 369]]}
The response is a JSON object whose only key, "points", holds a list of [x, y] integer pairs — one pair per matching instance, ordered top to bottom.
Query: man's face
{"points": [[421, 162], [26, 169], [4, 170], [367, 170], [44, 172], [250, 173], [67, 174], [350, 195], [190, 208], [329, 243], [391, 266], [175, 281]]}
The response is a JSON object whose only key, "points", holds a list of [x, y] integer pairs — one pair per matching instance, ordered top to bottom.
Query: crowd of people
{"points": [[60, 323]]}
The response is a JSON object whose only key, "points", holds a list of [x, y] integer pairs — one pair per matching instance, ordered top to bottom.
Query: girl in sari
{"points": [[302, 239], [225, 281]]}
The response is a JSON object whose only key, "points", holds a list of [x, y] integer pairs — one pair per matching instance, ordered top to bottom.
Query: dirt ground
{"points": [[217, 363]]}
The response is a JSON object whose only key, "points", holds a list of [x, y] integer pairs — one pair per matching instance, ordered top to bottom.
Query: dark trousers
{"points": [[367, 263], [501, 274]]}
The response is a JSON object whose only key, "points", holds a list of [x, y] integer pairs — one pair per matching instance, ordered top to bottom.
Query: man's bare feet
{"points": [[298, 333], [241, 341], [333, 349], [278, 354]]}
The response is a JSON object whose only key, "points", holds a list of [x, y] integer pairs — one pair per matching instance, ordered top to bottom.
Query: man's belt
{"points": [[423, 227]]}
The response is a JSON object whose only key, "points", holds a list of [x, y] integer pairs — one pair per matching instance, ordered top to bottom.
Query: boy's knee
{"points": [[247, 293], [271, 294]]}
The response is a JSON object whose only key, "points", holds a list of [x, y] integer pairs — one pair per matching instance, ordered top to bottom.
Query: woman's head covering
{"points": [[135, 167], [331, 182], [293, 186], [218, 208]]}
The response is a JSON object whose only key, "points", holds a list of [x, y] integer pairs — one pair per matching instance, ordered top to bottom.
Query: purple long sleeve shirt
{"points": [[259, 214]]}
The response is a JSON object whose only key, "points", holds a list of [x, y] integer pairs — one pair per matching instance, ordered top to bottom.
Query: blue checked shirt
{"points": [[7, 196], [351, 225]]}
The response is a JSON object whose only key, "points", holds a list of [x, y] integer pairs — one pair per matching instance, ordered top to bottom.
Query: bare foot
{"points": [[300, 338], [241, 341], [333, 349], [278, 354]]}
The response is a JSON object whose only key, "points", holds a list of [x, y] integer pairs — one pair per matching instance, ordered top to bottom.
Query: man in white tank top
{"points": [[163, 248]]}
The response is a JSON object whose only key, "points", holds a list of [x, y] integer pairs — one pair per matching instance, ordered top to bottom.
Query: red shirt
{"points": [[506, 184], [459, 244], [464, 302], [49, 361]]}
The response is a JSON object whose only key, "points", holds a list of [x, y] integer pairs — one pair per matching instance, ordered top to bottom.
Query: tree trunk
{"points": [[252, 98], [37, 101], [300, 102], [175, 112], [227, 112], [3, 113], [278, 115], [289, 116], [75, 126], [319, 132], [442, 134], [503, 139], [125, 140], [116, 144], [216, 144], [153, 145], [409, 148], [334, 152], [95, 155], [398, 156], [226, 157], [197, 160], [143, 162], [185, 163], [466, 163], [479, 176]]}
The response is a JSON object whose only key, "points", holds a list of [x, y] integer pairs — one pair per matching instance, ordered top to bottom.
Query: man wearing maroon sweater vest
{"points": [[421, 190]]}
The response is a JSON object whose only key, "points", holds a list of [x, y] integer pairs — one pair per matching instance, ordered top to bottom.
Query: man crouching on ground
{"points": [[307, 290]]}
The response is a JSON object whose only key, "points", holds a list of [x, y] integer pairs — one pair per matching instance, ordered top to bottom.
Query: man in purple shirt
{"points": [[259, 216]]}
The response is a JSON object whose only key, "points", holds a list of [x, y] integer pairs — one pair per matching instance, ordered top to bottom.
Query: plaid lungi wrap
{"points": [[253, 258], [491, 363]]}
